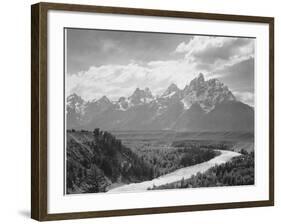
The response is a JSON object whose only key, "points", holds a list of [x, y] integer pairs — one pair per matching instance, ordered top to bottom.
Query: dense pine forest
{"points": [[166, 160], [239, 171]]}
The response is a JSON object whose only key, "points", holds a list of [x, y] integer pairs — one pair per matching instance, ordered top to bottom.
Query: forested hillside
{"points": [[96, 160]]}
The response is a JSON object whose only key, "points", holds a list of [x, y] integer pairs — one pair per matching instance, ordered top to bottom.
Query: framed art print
{"points": [[139, 111]]}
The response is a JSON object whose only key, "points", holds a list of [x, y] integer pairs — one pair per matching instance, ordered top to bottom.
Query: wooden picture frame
{"points": [[39, 110]]}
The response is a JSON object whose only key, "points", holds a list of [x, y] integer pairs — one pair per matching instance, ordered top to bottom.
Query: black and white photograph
{"points": [[148, 111]]}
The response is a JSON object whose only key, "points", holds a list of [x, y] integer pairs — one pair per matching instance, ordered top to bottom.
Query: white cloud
{"points": [[201, 43], [215, 53], [201, 54], [121, 80], [245, 97]]}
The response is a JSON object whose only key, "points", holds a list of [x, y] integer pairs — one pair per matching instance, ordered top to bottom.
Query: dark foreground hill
{"points": [[96, 160]]}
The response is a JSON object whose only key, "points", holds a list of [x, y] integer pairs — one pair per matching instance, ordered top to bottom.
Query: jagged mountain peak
{"points": [[200, 77], [197, 82], [172, 88], [147, 90], [142, 92], [172, 93], [207, 93], [140, 96], [74, 97], [122, 99], [104, 100], [75, 102], [122, 103], [75, 108], [175, 109]]}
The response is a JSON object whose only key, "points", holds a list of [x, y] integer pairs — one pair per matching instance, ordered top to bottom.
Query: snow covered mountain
{"points": [[206, 93], [203, 105]]}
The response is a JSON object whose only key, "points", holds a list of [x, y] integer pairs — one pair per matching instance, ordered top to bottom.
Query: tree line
{"points": [[239, 171]]}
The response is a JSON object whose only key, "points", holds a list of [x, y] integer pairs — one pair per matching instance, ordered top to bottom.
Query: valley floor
{"points": [[177, 175]]}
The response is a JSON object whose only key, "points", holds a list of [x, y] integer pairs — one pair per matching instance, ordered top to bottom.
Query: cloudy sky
{"points": [[114, 63]]}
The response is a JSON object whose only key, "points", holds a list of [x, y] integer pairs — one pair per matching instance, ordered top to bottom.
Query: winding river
{"points": [[177, 175]]}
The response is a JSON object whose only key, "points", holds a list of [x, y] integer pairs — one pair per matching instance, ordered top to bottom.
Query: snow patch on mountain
{"points": [[207, 93], [140, 97], [76, 103], [186, 105], [141, 109]]}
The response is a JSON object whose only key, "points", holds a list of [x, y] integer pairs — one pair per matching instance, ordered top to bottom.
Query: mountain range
{"points": [[202, 105]]}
